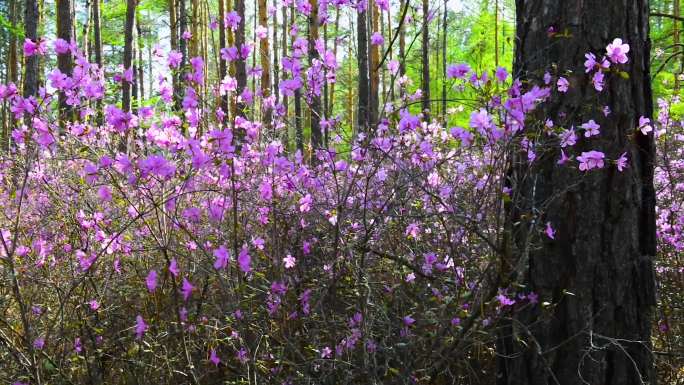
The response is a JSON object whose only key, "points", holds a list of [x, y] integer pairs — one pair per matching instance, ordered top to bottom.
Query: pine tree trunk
{"points": [[97, 32], [128, 53], [265, 58], [65, 60], [425, 63], [240, 64], [223, 68], [373, 68], [363, 118], [316, 135], [597, 275]]}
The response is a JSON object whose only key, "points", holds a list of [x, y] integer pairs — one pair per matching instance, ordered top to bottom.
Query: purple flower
{"points": [[377, 39], [61, 46], [617, 51], [174, 59], [457, 71], [501, 74], [597, 80], [563, 84], [645, 125], [591, 128], [568, 138], [591, 159], [621, 162], [550, 232], [222, 256], [245, 260], [289, 261], [173, 267], [151, 281], [187, 289], [408, 320], [140, 327], [39, 343], [214, 358]]}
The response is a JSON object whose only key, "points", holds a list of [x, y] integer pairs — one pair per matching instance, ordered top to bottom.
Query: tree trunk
{"points": [[97, 33], [402, 44], [128, 53], [374, 56], [265, 58], [65, 60], [444, 60], [425, 63], [240, 64], [140, 65], [223, 68], [363, 118], [299, 135], [316, 135], [597, 275]]}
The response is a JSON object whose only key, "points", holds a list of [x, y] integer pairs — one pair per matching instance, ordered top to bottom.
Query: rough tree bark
{"points": [[97, 32], [128, 53], [265, 58], [64, 61], [425, 63], [240, 64], [363, 115], [316, 136], [604, 219]]}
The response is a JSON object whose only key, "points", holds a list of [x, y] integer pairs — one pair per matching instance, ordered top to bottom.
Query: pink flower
{"points": [[377, 39], [61, 46], [32, 48], [617, 51], [174, 59], [393, 67], [457, 71], [501, 74], [597, 80], [562, 84], [645, 125], [591, 128], [568, 138], [591, 159], [621, 162], [104, 193], [550, 232], [222, 256], [245, 260], [289, 261], [173, 267], [151, 281], [187, 289], [94, 305], [140, 327], [326, 352], [214, 358]]}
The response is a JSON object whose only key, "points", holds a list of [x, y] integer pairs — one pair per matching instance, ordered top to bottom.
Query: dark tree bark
{"points": [[65, 28], [97, 32], [402, 43], [128, 53], [265, 58], [444, 60], [425, 62], [241, 64], [140, 65], [223, 68], [374, 74], [362, 117], [299, 135], [316, 136], [604, 219]]}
